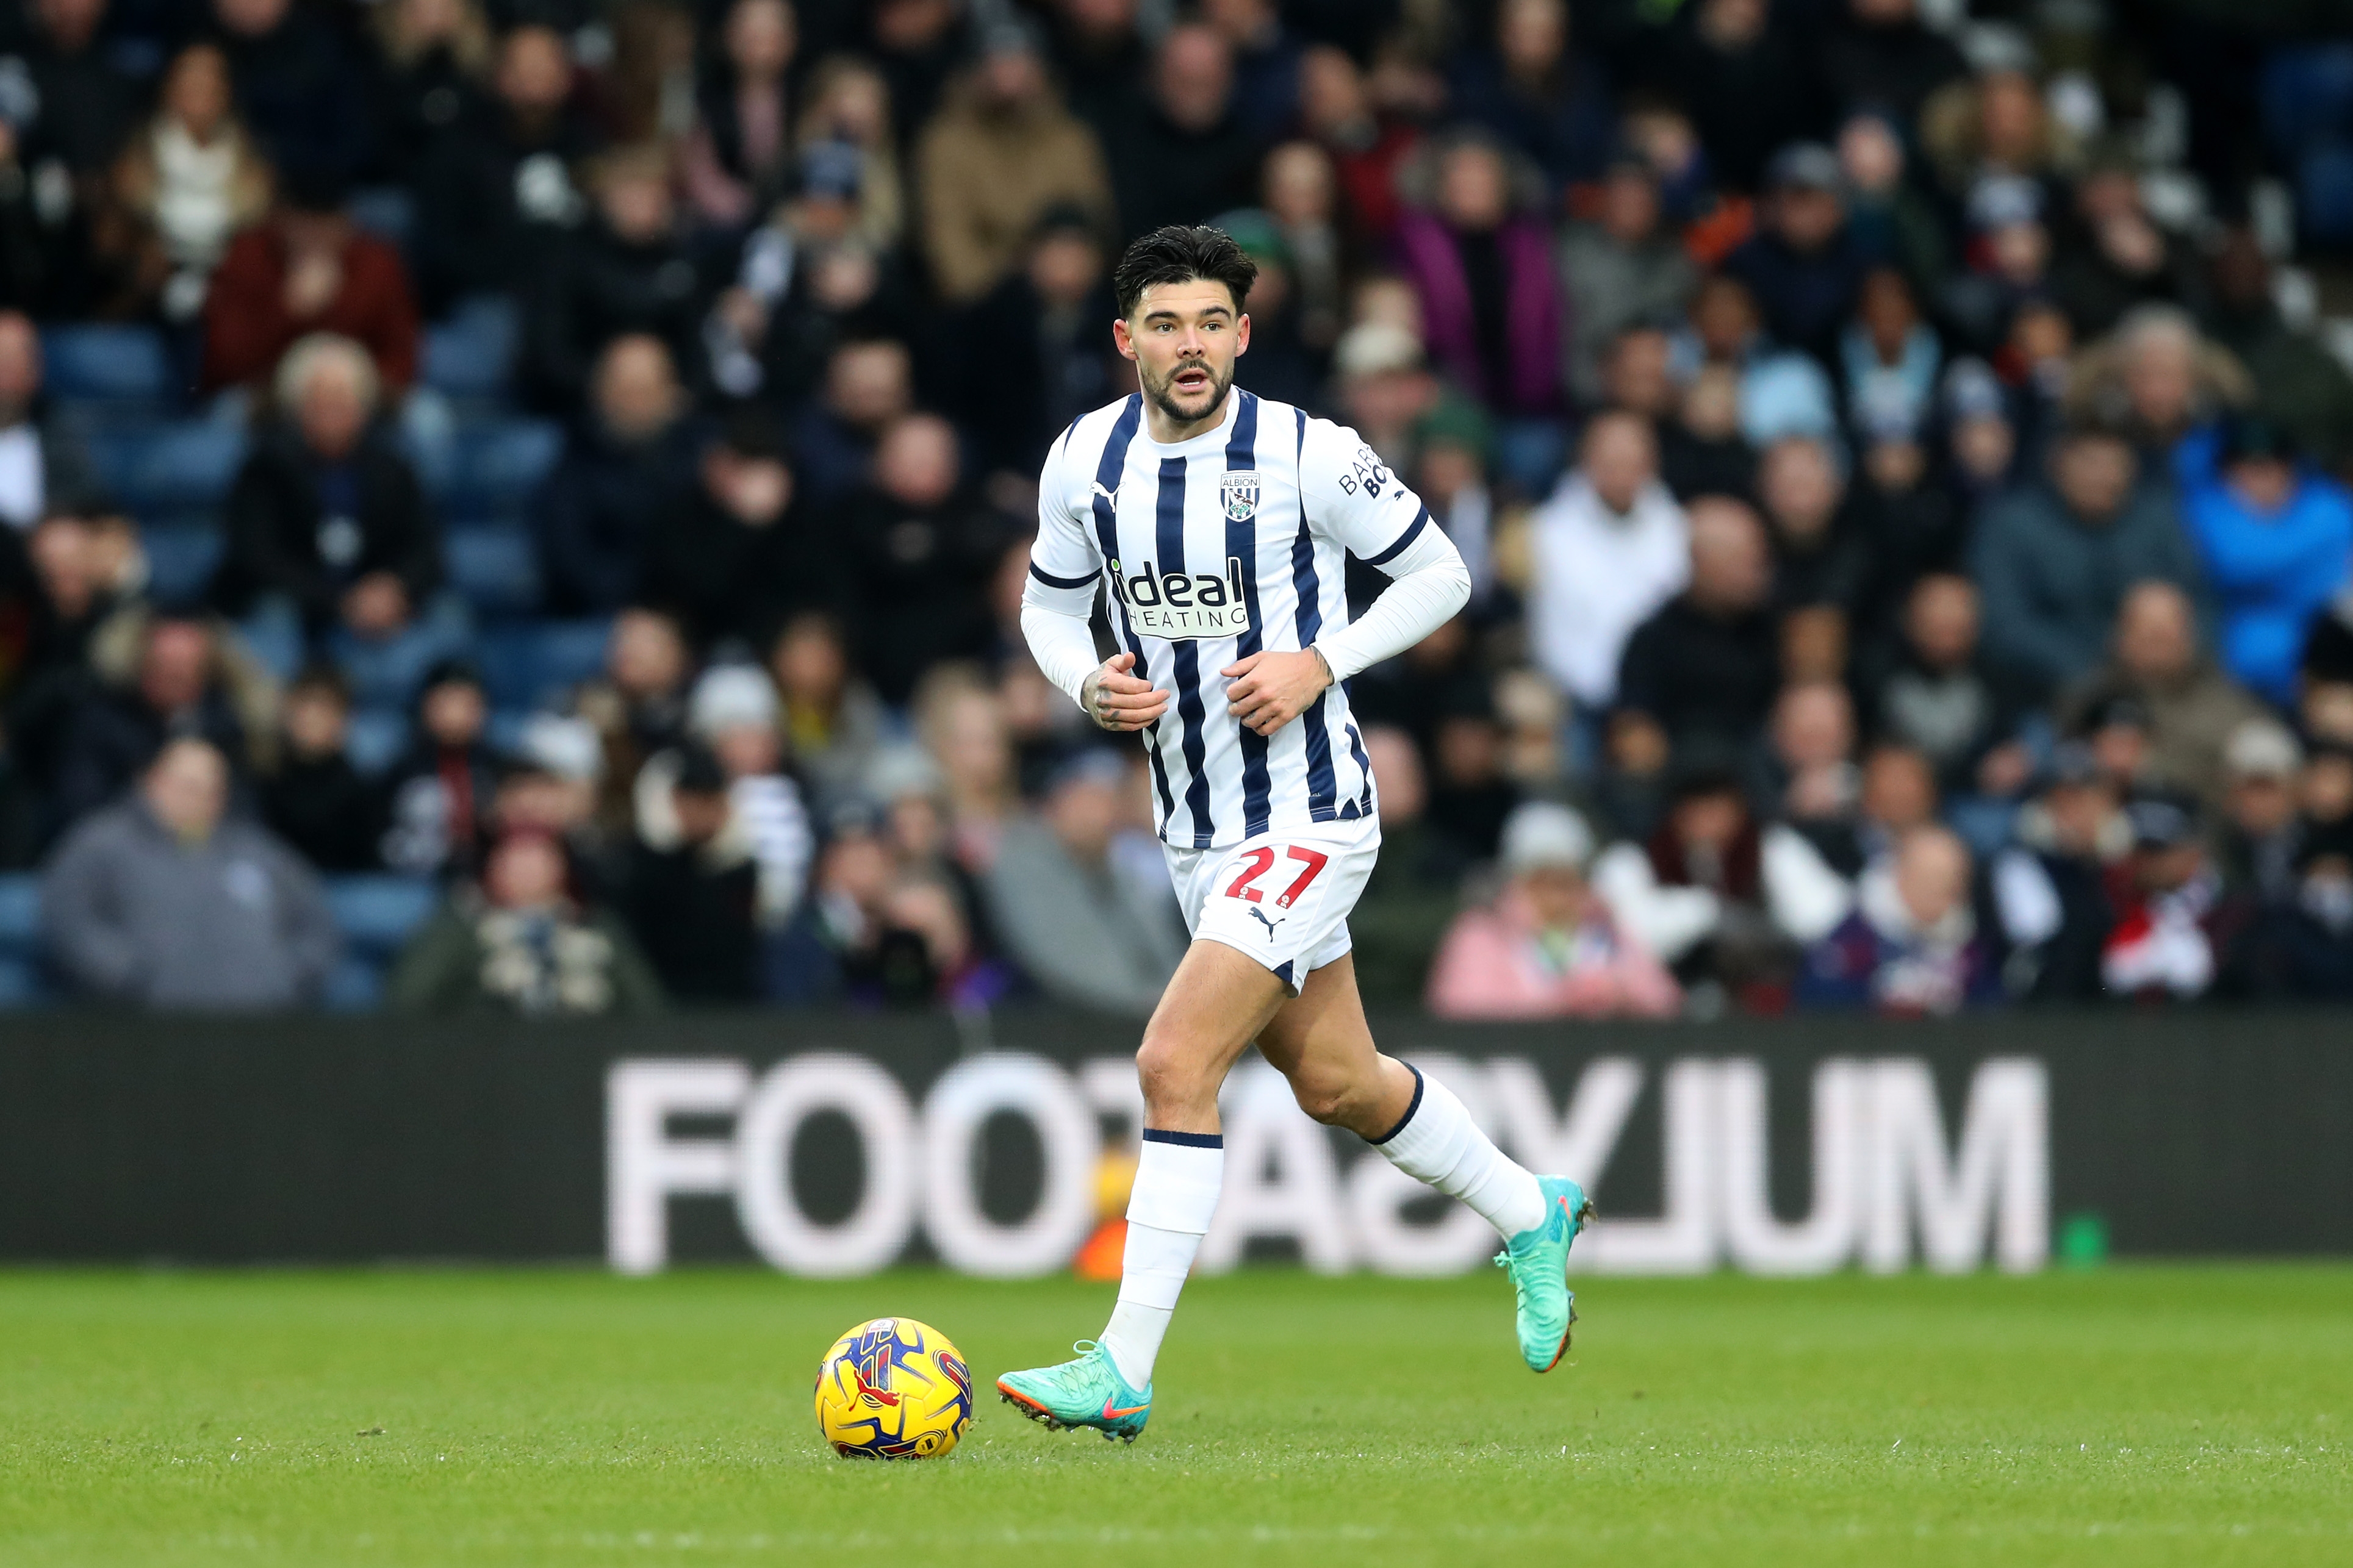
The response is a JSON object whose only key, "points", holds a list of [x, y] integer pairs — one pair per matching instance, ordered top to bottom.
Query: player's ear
{"points": [[1241, 333], [1121, 339]]}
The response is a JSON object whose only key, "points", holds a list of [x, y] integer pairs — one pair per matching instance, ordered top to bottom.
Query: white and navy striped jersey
{"points": [[1212, 550]]}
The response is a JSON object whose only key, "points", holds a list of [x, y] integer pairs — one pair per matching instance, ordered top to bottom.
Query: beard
{"points": [[1166, 398]]}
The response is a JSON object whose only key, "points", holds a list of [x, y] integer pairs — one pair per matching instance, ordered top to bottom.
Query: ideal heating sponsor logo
{"points": [[1175, 606]]}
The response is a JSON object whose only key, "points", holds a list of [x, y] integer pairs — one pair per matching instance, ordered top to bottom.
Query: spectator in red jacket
{"points": [[309, 269]]}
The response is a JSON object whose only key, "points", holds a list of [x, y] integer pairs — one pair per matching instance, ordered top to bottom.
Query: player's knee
{"points": [[1171, 1075]]}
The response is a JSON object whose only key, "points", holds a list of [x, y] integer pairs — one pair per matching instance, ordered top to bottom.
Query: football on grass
{"points": [[893, 1389]]}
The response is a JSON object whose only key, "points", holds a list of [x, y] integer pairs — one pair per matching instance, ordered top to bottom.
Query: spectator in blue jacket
{"points": [[2276, 542], [2054, 560]]}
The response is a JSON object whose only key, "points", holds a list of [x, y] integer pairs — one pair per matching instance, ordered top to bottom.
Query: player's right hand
{"points": [[1118, 700]]}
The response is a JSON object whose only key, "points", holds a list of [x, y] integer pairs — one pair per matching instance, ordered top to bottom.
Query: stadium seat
{"points": [[2307, 96], [386, 212], [468, 357], [115, 367], [181, 466], [493, 466], [181, 560], [496, 569], [536, 664], [376, 739], [20, 911], [375, 914], [22, 984], [356, 985]]}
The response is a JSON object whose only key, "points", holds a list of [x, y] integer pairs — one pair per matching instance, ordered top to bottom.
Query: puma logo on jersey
{"points": [[1111, 496], [1176, 606], [1260, 915]]}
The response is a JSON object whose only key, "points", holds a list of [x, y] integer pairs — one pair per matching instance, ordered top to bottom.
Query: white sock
{"points": [[1436, 1141], [1168, 1213]]}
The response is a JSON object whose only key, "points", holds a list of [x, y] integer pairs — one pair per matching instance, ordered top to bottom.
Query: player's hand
{"points": [[1268, 690], [1118, 700]]}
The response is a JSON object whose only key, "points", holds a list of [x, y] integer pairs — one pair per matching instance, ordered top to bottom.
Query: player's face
{"points": [[1184, 338]]}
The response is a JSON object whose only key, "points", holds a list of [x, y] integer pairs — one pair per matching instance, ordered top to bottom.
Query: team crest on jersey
{"points": [[1240, 488]]}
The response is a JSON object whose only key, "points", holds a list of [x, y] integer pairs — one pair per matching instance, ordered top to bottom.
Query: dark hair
{"points": [[1179, 254], [753, 435], [324, 678]]}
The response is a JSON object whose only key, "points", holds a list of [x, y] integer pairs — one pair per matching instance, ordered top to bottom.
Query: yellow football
{"points": [[893, 1389]]}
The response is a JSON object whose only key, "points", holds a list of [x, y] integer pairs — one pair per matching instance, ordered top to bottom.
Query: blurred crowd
{"points": [[1899, 447]]}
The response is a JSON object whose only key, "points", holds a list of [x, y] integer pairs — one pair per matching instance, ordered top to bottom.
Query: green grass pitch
{"points": [[2131, 1415]]}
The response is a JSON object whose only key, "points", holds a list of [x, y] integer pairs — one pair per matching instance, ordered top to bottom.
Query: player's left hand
{"points": [[1267, 691]]}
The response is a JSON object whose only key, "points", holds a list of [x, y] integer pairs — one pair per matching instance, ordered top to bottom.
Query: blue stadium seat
{"points": [[2306, 97], [387, 211], [469, 355], [107, 364], [181, 465], [495, 465], [181, 560], [496, 569], [535, 664], [376, 739], [20, 911], [376, 913], [22, 984], [355, 985]]}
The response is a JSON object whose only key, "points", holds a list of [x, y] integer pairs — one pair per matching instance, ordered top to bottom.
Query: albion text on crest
{"points": [[1240, 488]]}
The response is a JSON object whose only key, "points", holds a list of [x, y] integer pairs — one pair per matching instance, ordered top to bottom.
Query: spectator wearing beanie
{"points": [[1803, 265], [734, 711], [440, 794], [693, 899], [1547, 947]]}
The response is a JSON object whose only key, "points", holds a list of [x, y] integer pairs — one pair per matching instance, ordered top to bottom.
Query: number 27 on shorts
{"points": [[1261, 860]]}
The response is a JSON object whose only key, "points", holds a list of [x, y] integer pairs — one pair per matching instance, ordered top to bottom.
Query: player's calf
{"points": [[1363, 1098]]}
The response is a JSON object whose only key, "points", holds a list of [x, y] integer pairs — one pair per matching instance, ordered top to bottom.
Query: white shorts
{"points": [[1283, 898]]}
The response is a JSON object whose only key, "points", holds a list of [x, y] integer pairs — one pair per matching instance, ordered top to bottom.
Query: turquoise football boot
{"points": [[1538, 1259], [1088, 1392]]}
